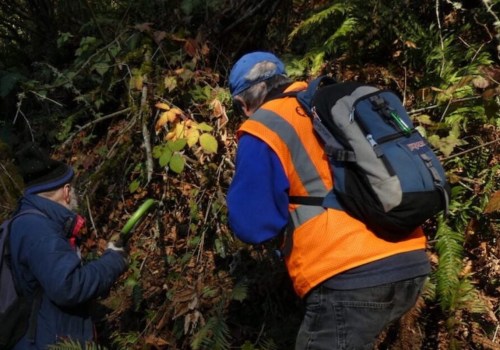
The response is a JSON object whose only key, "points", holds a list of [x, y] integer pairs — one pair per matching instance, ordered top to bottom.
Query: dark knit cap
{"points": [[41, 173]]}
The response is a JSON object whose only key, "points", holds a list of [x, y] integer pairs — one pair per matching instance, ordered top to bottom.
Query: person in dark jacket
{"points": [[46, 259]]}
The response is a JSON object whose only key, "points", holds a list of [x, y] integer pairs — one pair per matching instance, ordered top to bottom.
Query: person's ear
{"points": [[240, 108], [247, 111], [67, 193]]}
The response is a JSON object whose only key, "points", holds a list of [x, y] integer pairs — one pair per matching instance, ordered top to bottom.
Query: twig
{"points": [[489, 9], [440, 36], [404, 91], [46, 98], [415, 111], [19, 112], [89, 124], [145, 132], [472, 149], [10, 177], [90, 215], [260, 334], [495, 335]]}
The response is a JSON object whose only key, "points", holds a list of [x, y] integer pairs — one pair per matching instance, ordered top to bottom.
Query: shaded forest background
{"points": [[134, 95]]}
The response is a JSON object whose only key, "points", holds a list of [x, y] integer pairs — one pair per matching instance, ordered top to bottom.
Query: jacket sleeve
{"points": [[257, 199], [59, 270]]}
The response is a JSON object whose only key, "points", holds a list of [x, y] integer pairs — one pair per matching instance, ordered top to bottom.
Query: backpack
{"points": [[385, 173], [18, 313]]}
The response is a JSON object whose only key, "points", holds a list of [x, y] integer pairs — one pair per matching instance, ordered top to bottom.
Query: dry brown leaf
{"points": [[143, 27], [158, 36], [410, 44], [190, 47], [480, 82], [217, 108], [493, 204], [156, 341]]}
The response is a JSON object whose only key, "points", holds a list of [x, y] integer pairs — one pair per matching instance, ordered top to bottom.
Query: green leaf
{"points": [[114, 50], [101, 68], [170, 83], [204, 127], [208, 143], [177, 145], [157, 151], [165, 157], [177, 163], [134, 185], [194, 241], [219, 248], [247, 346]]}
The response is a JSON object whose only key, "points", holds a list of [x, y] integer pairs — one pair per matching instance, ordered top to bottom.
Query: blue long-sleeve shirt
{"points": [[258, 195]]}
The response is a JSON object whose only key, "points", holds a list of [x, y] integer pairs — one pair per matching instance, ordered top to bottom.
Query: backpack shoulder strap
{"points": [[305, 97]]}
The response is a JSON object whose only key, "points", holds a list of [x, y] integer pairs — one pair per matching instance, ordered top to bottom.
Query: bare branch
{"points": [[93, 122]]}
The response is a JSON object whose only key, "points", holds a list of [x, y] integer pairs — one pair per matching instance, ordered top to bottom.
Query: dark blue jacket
{"points": [[42, 257]]}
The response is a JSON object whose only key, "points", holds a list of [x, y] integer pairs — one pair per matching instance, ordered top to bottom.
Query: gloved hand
{"points": [[116, 244]]}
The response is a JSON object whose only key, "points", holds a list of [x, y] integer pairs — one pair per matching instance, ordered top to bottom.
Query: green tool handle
{"points": [[134, 219]]}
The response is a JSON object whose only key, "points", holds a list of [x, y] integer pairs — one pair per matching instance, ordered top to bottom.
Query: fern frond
{"points": [[312, 22], [347, 27], [450, 250], [239, 292], [467, 297], [214, 335]]}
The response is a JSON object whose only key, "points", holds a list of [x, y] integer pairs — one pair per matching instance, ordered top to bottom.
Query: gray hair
{"points": [[255, 95]]}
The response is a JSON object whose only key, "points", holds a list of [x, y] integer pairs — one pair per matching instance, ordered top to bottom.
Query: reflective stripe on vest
{"points": [[302, 163]]}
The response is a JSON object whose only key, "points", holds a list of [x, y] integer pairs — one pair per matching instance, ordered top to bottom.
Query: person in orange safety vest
{"points": [[353, 283]]}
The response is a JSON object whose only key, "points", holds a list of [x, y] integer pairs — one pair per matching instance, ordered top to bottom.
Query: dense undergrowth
{"points": [[134, 95]]}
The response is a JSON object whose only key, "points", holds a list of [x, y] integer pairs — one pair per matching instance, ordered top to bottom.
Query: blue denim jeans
{"points": [[352, 319]]}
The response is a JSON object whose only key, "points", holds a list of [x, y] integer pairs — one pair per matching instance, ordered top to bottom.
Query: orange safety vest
{"points": [[325, 242]]}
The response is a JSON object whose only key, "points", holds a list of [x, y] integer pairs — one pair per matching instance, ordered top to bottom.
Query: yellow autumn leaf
{"points": [[170, 83], [162, 105], [173, 114], [161, 121], [179, 130], [170, 136], [192, 136]]}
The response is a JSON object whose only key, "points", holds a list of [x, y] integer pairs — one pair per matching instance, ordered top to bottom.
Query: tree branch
{"points": [[93, 122], [145, 132], [472, 149]]}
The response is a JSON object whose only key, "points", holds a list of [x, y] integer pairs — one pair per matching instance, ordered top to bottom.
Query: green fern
{"points": [[312, 23], [348, 26], [449, 247], [239, 292], [214, 335], [125, 340]]}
